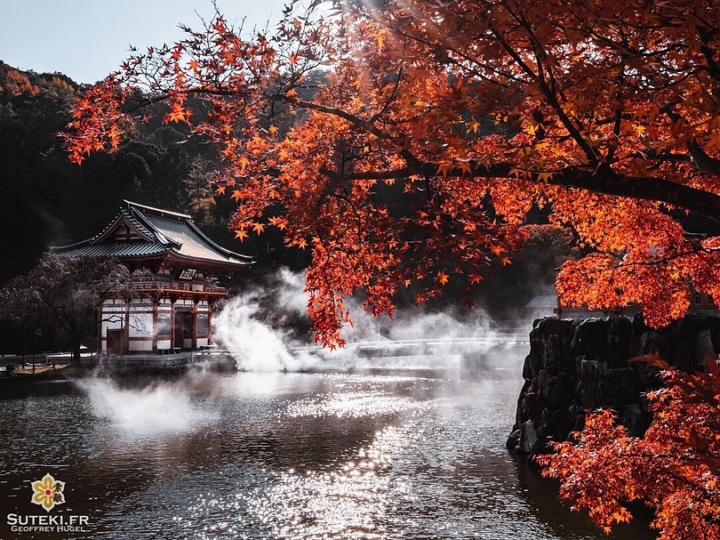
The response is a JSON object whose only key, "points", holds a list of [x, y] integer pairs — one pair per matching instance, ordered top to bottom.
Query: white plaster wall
{"points": [[141, 325], [141, 346]]}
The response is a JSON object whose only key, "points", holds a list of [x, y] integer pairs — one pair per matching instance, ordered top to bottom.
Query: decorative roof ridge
{"points": [[135, 206], [168, 215], [142, 226], [173, 233], [162, 238]]}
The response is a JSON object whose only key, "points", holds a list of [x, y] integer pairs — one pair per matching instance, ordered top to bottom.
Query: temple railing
{"points": [[171, 286]]}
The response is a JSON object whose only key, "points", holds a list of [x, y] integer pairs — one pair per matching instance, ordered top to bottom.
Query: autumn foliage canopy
{"points": [[471, 112]]}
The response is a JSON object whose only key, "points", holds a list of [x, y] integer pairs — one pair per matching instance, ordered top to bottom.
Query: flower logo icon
{"points": [[47, 492]]}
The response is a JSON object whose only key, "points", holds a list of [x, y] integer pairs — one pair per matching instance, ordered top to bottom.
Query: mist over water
{"points": [[256, 328], [254, 344], [158, 409]]}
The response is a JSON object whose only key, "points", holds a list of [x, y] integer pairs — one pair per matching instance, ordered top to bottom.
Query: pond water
{"points": [[362, 453]]}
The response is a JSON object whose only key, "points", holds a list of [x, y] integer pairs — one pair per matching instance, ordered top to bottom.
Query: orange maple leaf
{"points": [[177, 113], [244, 162], [279, 222]]}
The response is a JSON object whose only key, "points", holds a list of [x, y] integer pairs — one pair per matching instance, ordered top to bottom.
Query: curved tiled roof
{"points": [[160, 232], [110, 249]]}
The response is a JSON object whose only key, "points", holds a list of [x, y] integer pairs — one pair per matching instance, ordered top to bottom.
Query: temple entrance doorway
{"points": [[183, 332], [115, 341]]}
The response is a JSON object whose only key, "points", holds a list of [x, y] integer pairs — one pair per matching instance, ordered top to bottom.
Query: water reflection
{"points": [[376, 454]]}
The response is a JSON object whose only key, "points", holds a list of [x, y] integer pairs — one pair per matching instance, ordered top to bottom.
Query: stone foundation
{"points": [[580, 365]]}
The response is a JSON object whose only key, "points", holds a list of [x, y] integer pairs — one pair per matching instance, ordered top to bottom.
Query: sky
{"points": [[88, 39]]}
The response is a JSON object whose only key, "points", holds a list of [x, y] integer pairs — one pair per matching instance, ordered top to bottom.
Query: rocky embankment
{"points": [[580, 365]]}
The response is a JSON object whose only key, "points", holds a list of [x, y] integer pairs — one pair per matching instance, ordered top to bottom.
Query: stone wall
{"points": [[579, 365]]}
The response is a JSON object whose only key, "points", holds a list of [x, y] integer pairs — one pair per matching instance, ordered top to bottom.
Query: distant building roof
{"points": [[140, 231], [542, 301]]}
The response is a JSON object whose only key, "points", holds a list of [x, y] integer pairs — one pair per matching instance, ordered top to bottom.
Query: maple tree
{"points": [[473, 112], [674, 468]]}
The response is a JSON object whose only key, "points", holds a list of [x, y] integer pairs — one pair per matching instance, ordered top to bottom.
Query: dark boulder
{"points": [[590, 340], [578, 365], [619, 388]]}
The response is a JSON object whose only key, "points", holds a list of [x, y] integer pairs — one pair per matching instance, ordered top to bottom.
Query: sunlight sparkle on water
{"points": [[348, 405], [352, 498], [352, 502]]}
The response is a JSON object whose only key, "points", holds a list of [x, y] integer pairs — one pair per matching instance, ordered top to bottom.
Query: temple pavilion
{"points": [[174, 280]]}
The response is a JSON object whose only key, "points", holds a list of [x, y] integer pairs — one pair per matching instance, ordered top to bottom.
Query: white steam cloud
{"points": [[254, 326], [266, 329], [156, 409]]}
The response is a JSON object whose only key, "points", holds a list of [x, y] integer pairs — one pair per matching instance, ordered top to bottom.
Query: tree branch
{"points": [[703, 161], [603, 180]]}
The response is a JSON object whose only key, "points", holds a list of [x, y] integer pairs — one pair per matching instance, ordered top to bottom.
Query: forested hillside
{"points": [[47, 200]]}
